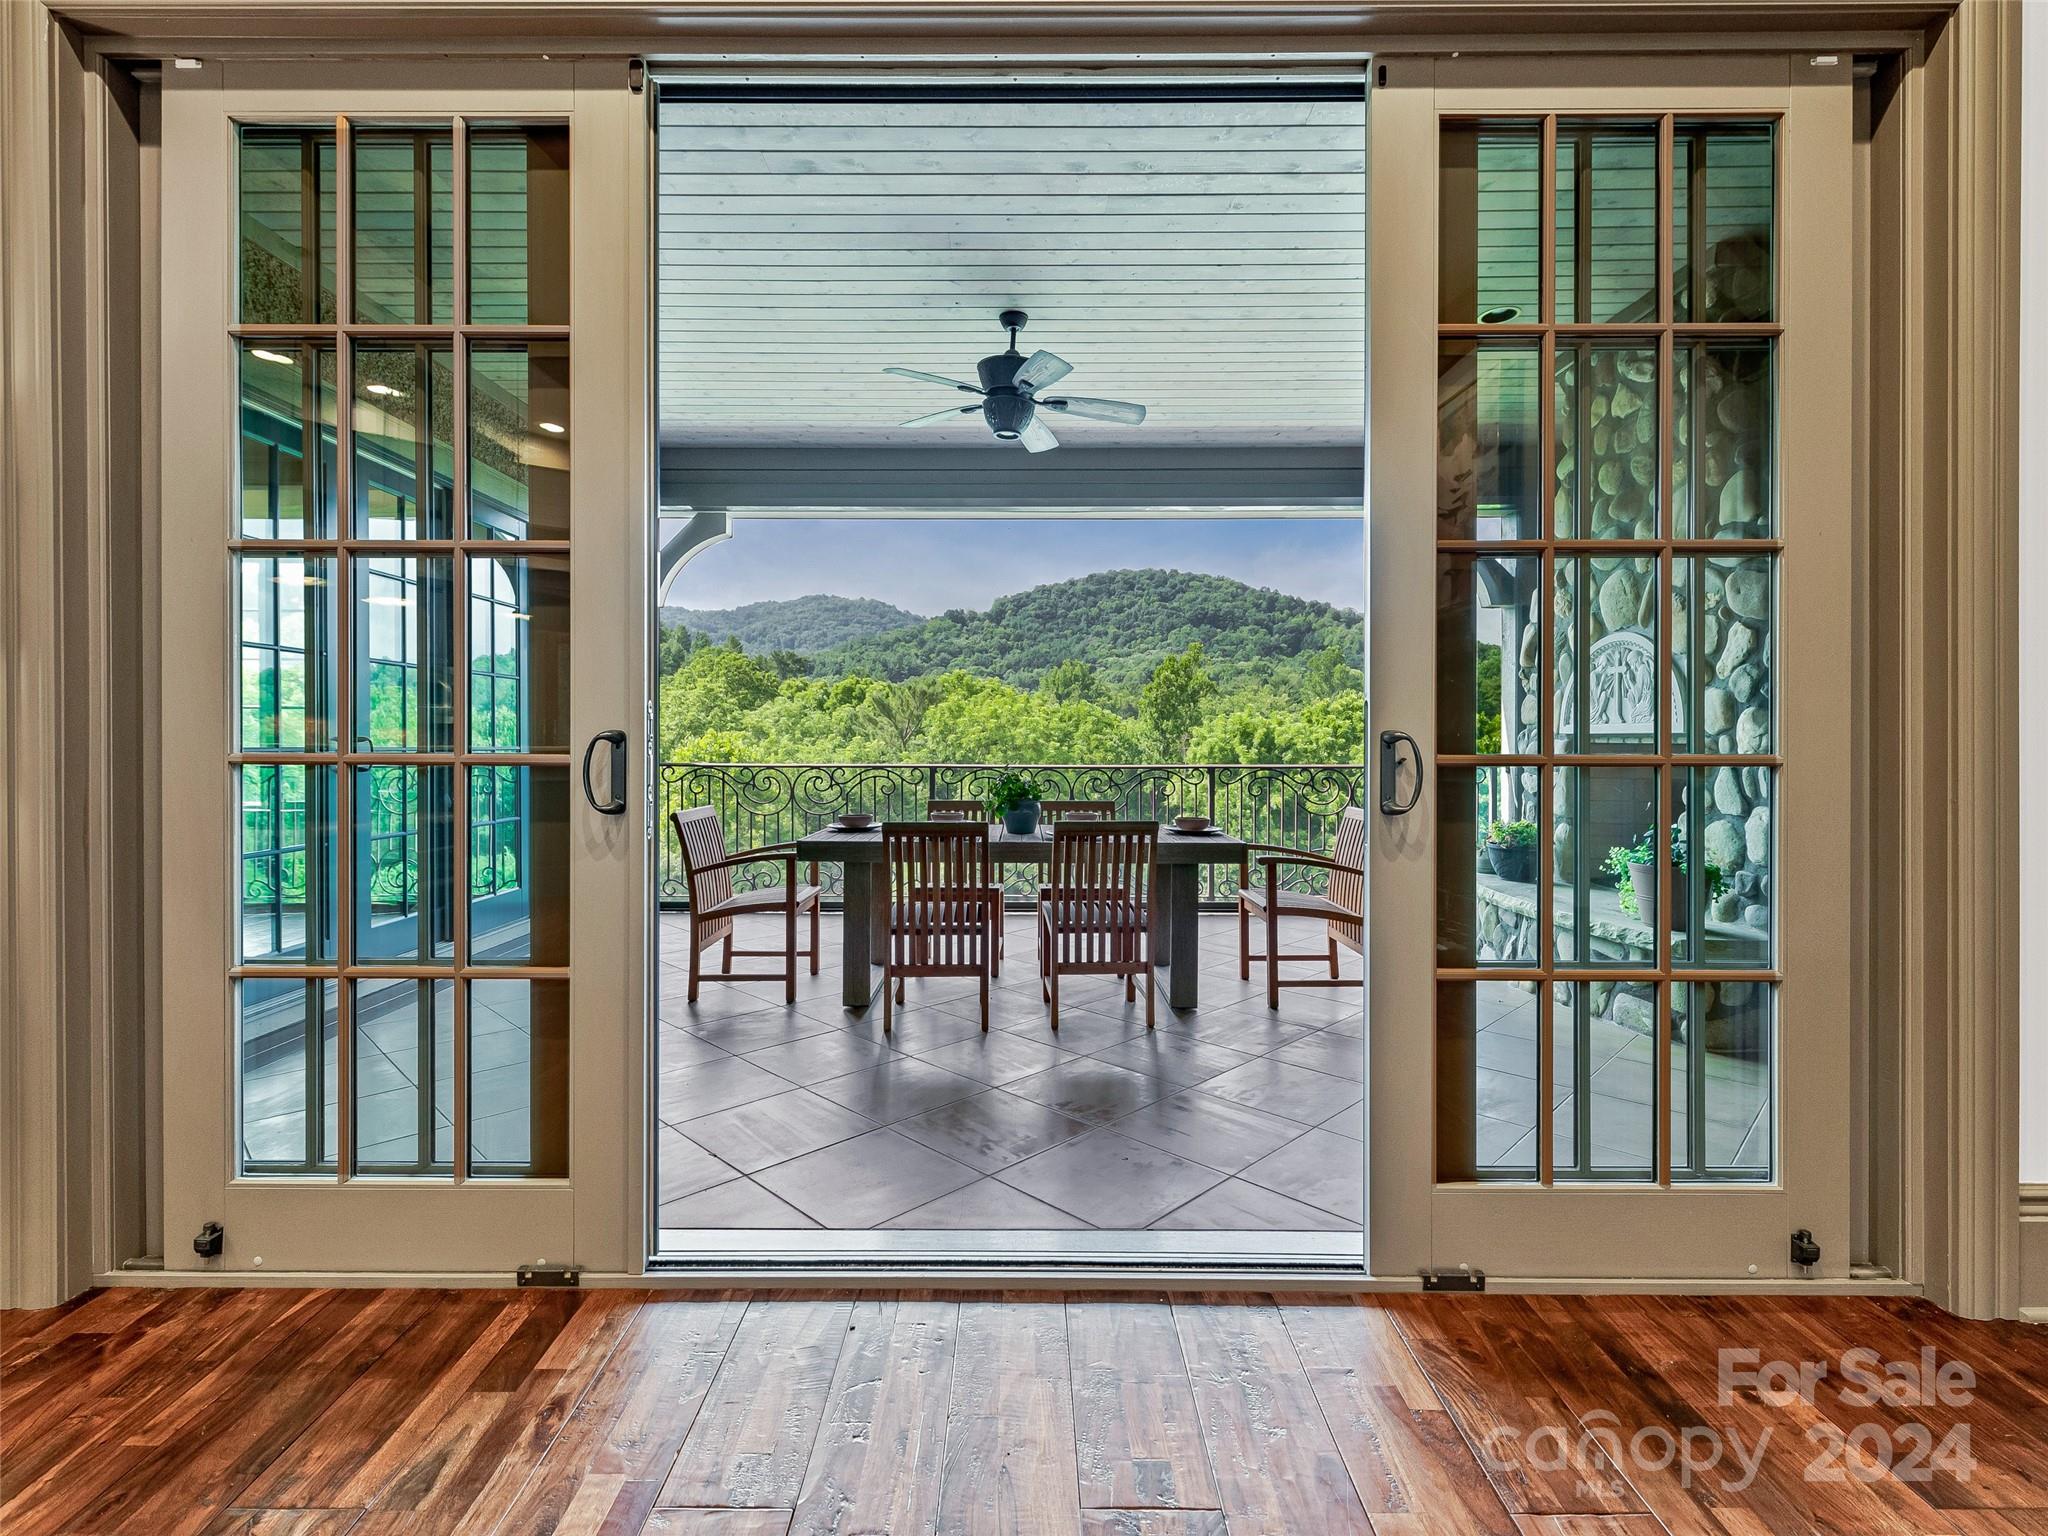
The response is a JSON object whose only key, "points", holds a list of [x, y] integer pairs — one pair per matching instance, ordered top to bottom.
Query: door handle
{"points": [[1390, 768], [616, 806]]}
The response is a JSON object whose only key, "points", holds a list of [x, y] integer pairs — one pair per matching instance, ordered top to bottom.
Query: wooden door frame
{"points": [[1942, 851]]}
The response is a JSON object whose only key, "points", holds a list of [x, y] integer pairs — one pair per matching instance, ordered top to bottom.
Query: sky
{"points": [[929, 565]]}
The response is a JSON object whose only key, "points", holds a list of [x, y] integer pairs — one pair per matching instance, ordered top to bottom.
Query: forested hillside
{"points": [[802, 624]]}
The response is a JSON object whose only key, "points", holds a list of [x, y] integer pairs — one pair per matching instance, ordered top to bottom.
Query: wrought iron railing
{"points": [[1294, 804]]}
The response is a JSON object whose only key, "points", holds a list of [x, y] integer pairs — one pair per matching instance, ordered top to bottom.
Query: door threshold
{"points": [[1048, 1253]]}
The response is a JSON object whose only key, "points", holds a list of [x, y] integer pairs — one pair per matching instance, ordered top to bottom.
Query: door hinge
{"points": [[545, 1273], [1463, 1278]]}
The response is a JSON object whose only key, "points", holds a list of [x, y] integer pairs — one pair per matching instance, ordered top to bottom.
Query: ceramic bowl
{"points": [[854, 821], [1192, 823]]}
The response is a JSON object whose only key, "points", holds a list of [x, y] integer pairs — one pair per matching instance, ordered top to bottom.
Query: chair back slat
{"points": [[956, 810], [1077, 810], [701, 836], [1099, 883], [1347, 885], [938, 896]]}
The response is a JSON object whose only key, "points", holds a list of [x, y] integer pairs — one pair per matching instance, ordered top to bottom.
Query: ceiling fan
{"points": [[1011, 402]]}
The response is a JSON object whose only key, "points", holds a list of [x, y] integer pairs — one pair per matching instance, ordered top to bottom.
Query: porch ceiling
{"points": [[1203, 257]]}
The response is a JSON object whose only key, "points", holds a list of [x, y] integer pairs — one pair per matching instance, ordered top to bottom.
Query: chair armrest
{"points": [[758, 856], [1272, 861]]}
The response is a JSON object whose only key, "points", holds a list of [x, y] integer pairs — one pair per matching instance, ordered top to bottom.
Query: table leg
{"points": [[859, 921], [1176, 932]]}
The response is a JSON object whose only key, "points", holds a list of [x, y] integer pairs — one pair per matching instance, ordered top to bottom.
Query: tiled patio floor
{"points": [[1226, 1117]]}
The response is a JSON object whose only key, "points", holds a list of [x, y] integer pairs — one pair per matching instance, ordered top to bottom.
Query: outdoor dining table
{"points": [[1176, 953]]}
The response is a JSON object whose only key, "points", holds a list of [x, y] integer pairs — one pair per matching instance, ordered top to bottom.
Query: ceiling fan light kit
{"points": [[1010, 402]]}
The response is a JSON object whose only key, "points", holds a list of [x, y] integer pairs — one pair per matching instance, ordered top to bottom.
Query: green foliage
{"points": [[805, 625], [1073, 681], [1486, 701], [1172, 704], [1009, 792], [1512, 834], [1643, 850]]}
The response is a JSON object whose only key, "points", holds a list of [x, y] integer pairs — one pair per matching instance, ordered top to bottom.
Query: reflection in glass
{"points": [[285, 190], [1721, 215], [1489, 223], [1606, 223], [519, 226], [404, 227], [519, 441], [1489, 446], [1606, 467], [1723, 472], [404, 474], [286, 480], [285, 614], [403, 634], [1729, 650], [518, 654], [1606, 654], [1489, 661], [1723, 833], [285, 858], [402, 863], [519, 866], [1487, 869], [1604, 907], [285, 1041], [1723, 1047], [1604, 1062], [404, 1076], [518, 1078], [1489, 1096]]}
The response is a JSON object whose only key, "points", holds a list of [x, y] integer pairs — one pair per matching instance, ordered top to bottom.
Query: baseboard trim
{"points": [[982, 1280]]}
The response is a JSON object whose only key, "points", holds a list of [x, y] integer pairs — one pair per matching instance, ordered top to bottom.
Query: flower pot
{"points": [[1021, 819], [1513, 862], [1643, 878]]}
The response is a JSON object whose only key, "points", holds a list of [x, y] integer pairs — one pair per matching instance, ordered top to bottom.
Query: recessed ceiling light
{"points": [[1502, 315], [271, 357], [385, 389], [551, 426], [522, 617]]}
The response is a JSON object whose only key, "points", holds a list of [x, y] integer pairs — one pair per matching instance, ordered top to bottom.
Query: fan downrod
{"points": [[1013, 321]]}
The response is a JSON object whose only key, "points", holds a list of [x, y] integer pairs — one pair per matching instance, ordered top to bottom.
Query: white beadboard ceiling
{"points": [[1204, 257]]}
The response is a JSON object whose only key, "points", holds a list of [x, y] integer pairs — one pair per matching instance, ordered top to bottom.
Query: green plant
{"points": [[1009, 792], [1512, 834], [1643, 850]]}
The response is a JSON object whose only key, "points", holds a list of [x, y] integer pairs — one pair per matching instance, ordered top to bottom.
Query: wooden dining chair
{"points": [[1077, 810], [975, 811], [707, 869], [1342, 906], [1095, 908], [940, 920]]}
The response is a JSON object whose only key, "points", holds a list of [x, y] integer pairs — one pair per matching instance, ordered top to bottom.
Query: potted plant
{"points": [[1013, 800], [1511, 850], [1634, 870]]}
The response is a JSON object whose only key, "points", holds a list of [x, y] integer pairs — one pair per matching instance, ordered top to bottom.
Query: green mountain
{"points": [[1120, 622], [802, 624]]}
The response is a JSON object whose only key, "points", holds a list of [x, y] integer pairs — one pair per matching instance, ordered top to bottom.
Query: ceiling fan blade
{"points": [[1043, 368], [935, 378], [1101, 410], [946, 415], [1037, 436]]}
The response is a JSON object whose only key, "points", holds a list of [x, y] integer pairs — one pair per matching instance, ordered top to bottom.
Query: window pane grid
{"points": [[356, 357], [1621, 773]]}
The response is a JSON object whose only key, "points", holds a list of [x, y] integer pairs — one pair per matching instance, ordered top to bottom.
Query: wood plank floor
{"points": [[376, 1413]]}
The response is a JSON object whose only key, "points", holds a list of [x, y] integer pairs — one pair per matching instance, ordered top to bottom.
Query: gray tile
{"points": [[1012, 1005], [1248, 1027], [914, 1030], [759, 1031], [1082, 1031], [677, 1048], [1326, 1050], [833, 1053], [996, 1057], [1173, 1057], [710, 1086], [897, 1089], [1090, 1089], [1294, 1093], [1505, 1095], [1348, 1122], [774, 1130], [992, 1130], [1208, 1130], [682, 1167], [1321, 1169], [866, 1180], [1111, 1181], [740, 1203], [987, 1205], [1235, 1206]]}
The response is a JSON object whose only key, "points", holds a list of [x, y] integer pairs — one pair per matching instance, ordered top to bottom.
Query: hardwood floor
{"points": [[413, 1413]]}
